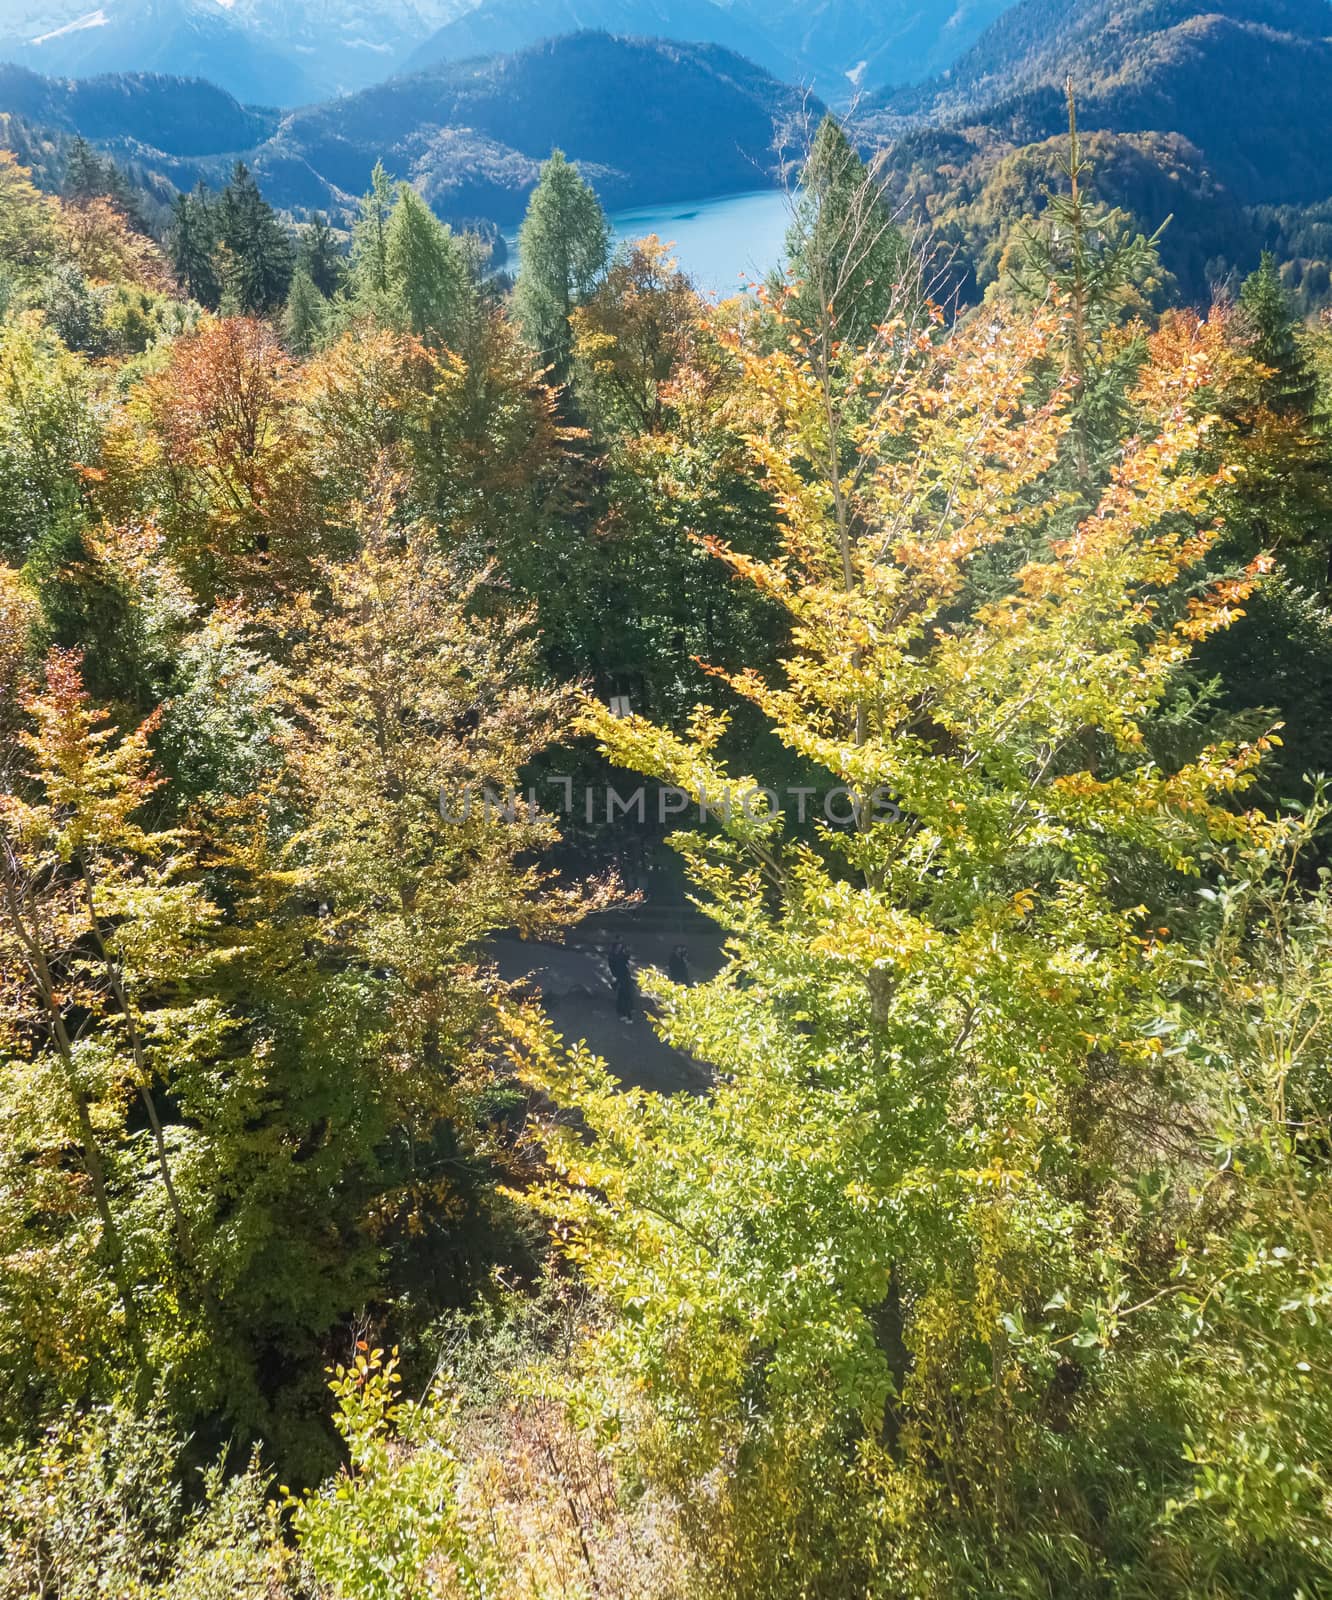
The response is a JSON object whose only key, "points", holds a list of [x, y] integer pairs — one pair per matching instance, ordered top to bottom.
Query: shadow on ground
{"points": [[576, 988]]}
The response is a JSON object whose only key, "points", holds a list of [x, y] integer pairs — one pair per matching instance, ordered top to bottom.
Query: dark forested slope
{"points": [[174, 37], [1248, 82], [1211, 115], [181, 116], [648, 120]]}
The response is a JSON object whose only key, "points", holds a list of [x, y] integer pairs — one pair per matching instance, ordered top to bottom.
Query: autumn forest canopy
{"points": [[984, 1248]]}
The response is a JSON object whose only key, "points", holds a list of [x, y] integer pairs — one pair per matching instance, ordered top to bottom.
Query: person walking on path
{"points": [[677, 968], [622, 974]]}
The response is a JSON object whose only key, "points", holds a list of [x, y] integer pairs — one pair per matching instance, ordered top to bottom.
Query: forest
{"points": [[991, 1255]]}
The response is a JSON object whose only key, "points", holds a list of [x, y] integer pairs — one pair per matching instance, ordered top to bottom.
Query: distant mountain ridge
{"points": [[505, 26], [182, 38], [829, 44], [297, 52], [1248, 82], [1210, 111], [185, 116], [648, 121]]}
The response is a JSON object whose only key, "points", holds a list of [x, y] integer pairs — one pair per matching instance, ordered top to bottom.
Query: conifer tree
{"points": [[85, 173], [89, 177], [191, 246], [563, 247], [843, 248], [320, 256], [259, 265], [1102, 273], [369, 278], [430, 288], [304, 315], [1269, 318]]}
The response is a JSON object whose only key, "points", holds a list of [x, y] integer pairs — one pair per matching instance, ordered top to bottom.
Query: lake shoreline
{"points": [[725, 243]]}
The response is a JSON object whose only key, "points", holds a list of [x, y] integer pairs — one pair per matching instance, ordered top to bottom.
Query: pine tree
{"points": [[85, 173], [89, 176], [191, 245], [563, 248], [844, 250], [320, 256], [259, 270], [1102, 272], [369, 276], [430, 289], [304, 315], [1291, 387]]}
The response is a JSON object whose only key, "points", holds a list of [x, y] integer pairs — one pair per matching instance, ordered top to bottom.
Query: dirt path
{"points": [[579, 995]]}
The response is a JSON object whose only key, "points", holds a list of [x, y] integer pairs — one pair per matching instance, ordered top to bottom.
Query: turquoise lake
{"points": [[718, 242], [721, 243]]}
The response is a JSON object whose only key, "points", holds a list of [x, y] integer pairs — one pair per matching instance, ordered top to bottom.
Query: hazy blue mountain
{"points": [[496, 27], [185, 38], [873, 43], [832, 44], [345, 45], [285, 52], [296, 52], [1247, 82], [181, 116], [649, 121]]}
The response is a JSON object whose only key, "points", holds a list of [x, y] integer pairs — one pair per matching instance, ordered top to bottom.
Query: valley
{"points": [[659, 943]]}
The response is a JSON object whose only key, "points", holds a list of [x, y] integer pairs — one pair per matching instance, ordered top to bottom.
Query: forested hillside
{"points": [[182, 38], [298, 52], [1223, 107], [128, 111], [648, 119], [653, 119], [906, 715]]}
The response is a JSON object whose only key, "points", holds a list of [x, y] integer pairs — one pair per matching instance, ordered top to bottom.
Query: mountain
{"points": [[496, 27], [183, 38], [870, 43], [829, 44], [344, 45], [273, 52], [297, 52], [1247, 82], [1209, 111], [181, 116], [647, 120]]}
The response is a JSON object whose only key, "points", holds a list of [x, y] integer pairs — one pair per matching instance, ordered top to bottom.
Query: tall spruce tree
{"points": [[85, 173], [89, 176], [191, 245], [563, 245], [843, 248], [260, 255], [320, 256], [1102, 272], [369, 277], [430, 287], [304, 315], [1291, 387]]}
